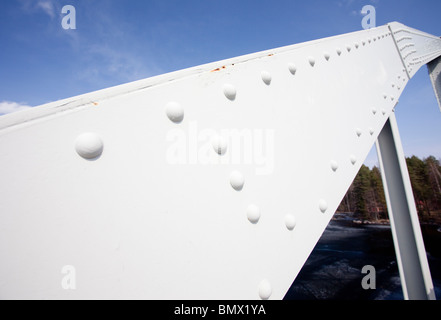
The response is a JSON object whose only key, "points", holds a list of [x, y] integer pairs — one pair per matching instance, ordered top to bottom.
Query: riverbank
{"points": [[344, 216]]}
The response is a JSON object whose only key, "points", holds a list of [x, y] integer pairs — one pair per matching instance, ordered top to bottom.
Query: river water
{"points": [[333, 270]]}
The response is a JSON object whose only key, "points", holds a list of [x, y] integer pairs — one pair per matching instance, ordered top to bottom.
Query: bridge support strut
{"points": [[412, 261]]}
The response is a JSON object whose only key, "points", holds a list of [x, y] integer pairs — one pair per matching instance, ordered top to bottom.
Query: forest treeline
{"points": [[365, 198]]}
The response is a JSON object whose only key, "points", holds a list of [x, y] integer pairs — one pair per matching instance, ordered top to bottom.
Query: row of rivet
{"points": [[327, 56], [358, 131]]}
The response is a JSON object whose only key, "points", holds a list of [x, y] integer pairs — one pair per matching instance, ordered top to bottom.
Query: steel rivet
{"points": [[363, 42], [356, 45], [348, 47], [338, 50], [327, 56], [311, 61], [292, 68], [266, 77], [230, 91], [374, 110], [383, 111], [175, 112], [371, 131], [358, 132], [219, 144], [89, 145], [353, 159], [334, 165], [237, 180], [323, 205], [253, 213], [290, 222], [265, 289]]}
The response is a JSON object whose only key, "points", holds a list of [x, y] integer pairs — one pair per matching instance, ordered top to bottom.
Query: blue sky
{"points": [[120, 41]]}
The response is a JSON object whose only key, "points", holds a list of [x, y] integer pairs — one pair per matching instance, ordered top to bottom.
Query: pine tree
{"points": [[434, 179], [420, 183], [361, 188], [378, 202]]}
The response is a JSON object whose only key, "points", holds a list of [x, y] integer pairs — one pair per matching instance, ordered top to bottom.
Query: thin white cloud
{"points": [[345, 3], [33, 6], [47, 6], [106, 53], [106, 62], [10, 107]]}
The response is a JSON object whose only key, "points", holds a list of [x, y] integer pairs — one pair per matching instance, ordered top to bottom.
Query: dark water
{"points": [[333, 270]]}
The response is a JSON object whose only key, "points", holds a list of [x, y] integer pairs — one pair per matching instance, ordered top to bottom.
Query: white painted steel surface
{"points": [[213, 182]]}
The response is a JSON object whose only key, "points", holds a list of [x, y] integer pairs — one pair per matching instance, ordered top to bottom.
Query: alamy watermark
{"points": [[369, 19], [69, 21], [206, 146], [69, 280], [368, 281]]}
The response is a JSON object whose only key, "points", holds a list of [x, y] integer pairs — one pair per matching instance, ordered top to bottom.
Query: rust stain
{"points": [[271, 54], [218, 69], [95, 103]]}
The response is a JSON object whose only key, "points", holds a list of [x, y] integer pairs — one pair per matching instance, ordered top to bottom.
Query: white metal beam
{"points": [[434, 68], [411, 255]]}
